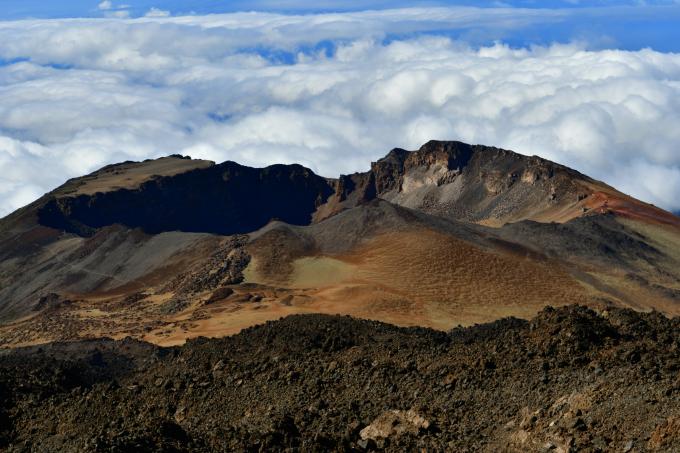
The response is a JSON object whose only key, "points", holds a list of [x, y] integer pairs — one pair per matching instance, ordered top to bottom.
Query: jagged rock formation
{"points": [[479, 184], [491, 186], [172, 248]]}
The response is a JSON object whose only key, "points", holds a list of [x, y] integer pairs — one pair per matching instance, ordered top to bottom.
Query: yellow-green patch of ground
{"points": [[308, 272], [317, 272], [251, 274]]}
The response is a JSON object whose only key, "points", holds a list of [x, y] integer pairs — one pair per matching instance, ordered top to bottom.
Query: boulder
{"points": [[393, 424]]}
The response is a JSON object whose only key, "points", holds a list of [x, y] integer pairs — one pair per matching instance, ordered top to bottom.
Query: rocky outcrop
{"points": [[435, 163], [389, 170], [472, 183], [482, 184], [350, 191], [224, 199], [224, 267], [571, 380], [393, 425]]}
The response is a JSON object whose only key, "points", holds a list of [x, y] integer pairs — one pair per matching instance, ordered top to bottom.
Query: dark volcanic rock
{"points": [[390, 170], [224, 199], [50, 301], [569, 380]]}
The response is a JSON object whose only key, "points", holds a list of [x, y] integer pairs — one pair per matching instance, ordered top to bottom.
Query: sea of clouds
{"points": [[330, 91]]}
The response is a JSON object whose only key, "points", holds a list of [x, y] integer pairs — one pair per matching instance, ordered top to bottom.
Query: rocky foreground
{"points": [[569, 380]]}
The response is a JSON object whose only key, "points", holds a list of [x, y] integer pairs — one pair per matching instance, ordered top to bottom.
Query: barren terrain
{"points": [[451, 234], [569, 380]]}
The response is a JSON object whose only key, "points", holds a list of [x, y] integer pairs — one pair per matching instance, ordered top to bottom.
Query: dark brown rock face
{"points": [[451, 155], [390, 171], [463, 182], [476, 183], [223, 199]]}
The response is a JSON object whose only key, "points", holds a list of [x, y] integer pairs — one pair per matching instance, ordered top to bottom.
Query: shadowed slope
{"points": [[221, 199]]}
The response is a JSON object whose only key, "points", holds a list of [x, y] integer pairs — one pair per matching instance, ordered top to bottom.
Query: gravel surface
{"points": [[569, 380]]}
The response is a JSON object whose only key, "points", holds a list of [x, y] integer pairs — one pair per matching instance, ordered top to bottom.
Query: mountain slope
{"points": [[450, 234]]}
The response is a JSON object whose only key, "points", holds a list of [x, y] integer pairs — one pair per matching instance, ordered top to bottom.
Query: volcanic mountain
{"points": [[451, 234]]}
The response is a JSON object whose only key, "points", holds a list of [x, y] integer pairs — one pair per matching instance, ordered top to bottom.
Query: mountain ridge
{"points": [[473, 183], [168, 249]]}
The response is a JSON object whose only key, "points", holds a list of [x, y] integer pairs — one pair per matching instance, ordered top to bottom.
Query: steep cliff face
{"points": [[435, 163], [389, 170], [476, 184], [349, 191], [223, 199]]}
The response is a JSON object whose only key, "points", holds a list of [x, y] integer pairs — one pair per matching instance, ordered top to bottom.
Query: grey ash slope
{"points": [[349, 228]]}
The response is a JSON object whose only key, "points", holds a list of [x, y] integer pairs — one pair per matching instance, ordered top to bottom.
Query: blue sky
{"points": [[88, 8], [16, 9], [622, 24]]}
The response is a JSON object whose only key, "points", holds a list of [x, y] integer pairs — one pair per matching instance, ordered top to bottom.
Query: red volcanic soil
{"points": [[627, 207]]}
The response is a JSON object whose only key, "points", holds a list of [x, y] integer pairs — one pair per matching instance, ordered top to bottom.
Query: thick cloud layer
{"points": [[332, 92]]}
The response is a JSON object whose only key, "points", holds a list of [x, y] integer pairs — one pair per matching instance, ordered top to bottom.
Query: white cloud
{"points": [[115, 11], [155, 12], [119, 14], [95, 92]]}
